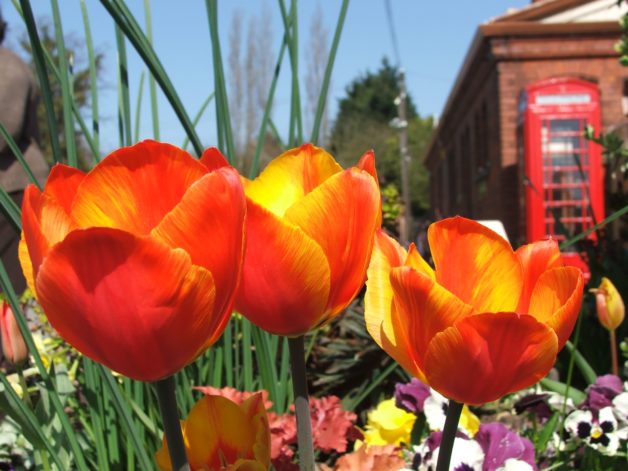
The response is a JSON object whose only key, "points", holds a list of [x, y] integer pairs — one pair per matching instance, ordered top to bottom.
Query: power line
{"points": [[393, 33]]}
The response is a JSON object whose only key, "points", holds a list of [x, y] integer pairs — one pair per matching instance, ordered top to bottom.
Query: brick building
{"points": [[509, 144]]}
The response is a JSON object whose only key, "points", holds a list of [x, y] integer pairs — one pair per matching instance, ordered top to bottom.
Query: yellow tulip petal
{"points": [[291, 176], [135, 187], [341, 215], [386, 254], [535, 259], [417, 262], [475, 264], [285, 277], [556, 300], [424, 309]]}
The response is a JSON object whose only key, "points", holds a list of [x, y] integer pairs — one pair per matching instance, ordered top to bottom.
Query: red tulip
{"points": [[310, 229], [136, 263], [486, 322], [13, 345]]}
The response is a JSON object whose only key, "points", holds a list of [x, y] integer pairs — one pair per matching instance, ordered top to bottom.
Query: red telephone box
{"points": [[563, 174]]}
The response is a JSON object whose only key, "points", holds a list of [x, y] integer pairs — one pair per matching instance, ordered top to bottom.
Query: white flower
{"points": [[620, 405], [435, 409], [600, 433], [467, 455], [513, 464]]}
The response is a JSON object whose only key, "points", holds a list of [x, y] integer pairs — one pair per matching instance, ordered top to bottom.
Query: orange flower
{"points": [[309, 239], [136, 263], [610, 306], [488, 321], [13, 345], [222, 435]]}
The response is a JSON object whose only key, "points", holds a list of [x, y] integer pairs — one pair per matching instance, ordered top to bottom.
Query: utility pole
{"points": [[401, 123]]}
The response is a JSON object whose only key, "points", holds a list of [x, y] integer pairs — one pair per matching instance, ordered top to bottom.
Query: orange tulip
{"points": [[310, 230], [136, 263], [609, 305], [486, 322], [13, 344], [221, 435]]}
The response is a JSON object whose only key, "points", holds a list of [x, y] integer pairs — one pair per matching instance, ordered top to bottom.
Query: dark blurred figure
{"points": [[18, 114]]}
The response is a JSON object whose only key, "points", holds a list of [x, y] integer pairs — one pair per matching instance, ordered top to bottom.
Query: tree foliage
{"points": [[363, 122]]}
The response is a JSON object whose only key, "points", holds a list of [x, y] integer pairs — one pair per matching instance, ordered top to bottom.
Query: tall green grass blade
{"points": [[127, 23], [42, 75], [123, 76], [151, 78], [93, 82], [66, 90], [322, 99], [138, 109], [197, 118], [223, 118], [276, 135], [295, 135], [261, 137], [18, 155], [10, 210], [616, 215], [5, 283], [227, 342], [247, 355], [266, 365], [583, 365], [216, 367], [284, 388], [92, 394], [574, 394], [121, 405], [25, 417], [111, 425], [130, 452]]}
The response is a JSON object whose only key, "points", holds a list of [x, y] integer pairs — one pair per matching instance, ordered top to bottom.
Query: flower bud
{"points": [[609, 305], [13, 345]]}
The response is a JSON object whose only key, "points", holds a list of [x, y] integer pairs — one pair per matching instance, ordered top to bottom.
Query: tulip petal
{"points": [[213, 159], [367, 162], [289, 177], [62, 185], [135, 187], [341, 215], [44, 223], [208, 224], [535, 259], [414, 260], [26, 264], [475, 264], [285, 277], [556, 300], [378, 302], [131, 303], [424, 308], [486, 356], [216, 429]]}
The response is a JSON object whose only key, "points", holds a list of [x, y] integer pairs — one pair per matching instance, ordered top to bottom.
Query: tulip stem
{"points": [[614, 353], [166, 396], [301, 403], [454, 409]]}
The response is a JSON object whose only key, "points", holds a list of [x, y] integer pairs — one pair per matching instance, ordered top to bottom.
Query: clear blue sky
{"points": [[433, 38]]}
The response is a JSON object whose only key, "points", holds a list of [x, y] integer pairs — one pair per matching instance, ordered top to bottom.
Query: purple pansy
{"points": [[601, 393], [411, 396], [499, 444]]}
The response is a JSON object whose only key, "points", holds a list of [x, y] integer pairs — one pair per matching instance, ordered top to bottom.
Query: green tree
{"points": [[363, 122]]}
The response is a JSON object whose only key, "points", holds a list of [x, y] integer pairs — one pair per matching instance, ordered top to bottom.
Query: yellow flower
{"points": [[610, 306], [388, 425]]}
